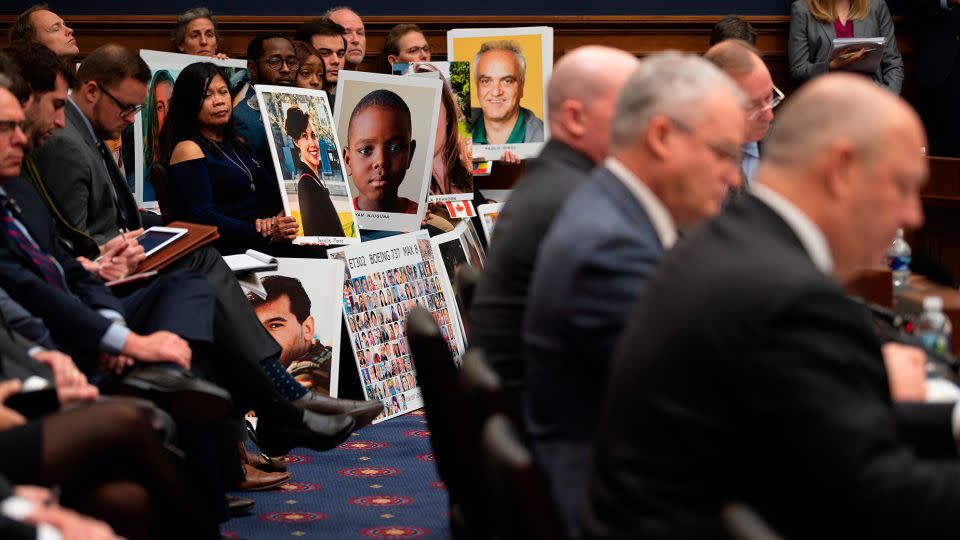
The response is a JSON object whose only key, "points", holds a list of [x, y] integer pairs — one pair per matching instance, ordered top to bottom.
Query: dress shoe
{"points": [[180, 393], [362, 411], [315, 431], [265, 463], [256, 480], [238, 506]]}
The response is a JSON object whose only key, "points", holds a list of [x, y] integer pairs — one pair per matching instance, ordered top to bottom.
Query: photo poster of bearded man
{"points": [[509, 71], [388, 126], [144, 134], [308, 162], [452, 178], [383, 280], [299, 303]]}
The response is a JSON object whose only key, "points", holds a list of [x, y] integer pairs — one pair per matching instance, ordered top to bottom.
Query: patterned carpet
{"points": [[379, 484]]}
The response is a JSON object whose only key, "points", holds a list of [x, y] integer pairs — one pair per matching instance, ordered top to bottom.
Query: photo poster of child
{"points": [[509, 70], [388, 127], [143, 149], [306, 155], [452, 178], [383, 280], [299, 304]]}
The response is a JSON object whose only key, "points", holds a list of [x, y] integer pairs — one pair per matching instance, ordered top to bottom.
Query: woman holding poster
{"points": [[214, 177]]}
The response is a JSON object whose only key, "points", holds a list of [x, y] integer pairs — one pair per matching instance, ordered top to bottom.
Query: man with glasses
{"points": [[271, 59], [742, 63], [675, 146]]}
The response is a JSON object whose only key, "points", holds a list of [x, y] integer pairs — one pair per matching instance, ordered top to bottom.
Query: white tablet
{"points": [[156, 238]]}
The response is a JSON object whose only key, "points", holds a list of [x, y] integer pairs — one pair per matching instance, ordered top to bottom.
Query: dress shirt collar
{"points": [[86, 121], [752, 149], [655, 210], [811, 237]]}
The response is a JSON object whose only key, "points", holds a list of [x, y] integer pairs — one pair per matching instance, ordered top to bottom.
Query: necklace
{"points": [[238, 163]]}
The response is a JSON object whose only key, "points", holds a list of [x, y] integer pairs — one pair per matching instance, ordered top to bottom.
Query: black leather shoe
{"points": [[180, 393], [362, 411], [315, 431], [238, 506]]}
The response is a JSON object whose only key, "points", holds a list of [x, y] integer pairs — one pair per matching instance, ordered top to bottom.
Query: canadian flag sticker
{"points": [[461, 209]]}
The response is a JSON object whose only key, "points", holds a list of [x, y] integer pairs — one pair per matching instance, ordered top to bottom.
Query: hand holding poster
{"points": [[510, 68], [389, 126], [306, 156], [383, 281], [299, 304]]}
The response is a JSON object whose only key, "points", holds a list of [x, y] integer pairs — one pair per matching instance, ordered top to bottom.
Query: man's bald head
{"points": [[742, 63], [582, 95], [848, 154]]}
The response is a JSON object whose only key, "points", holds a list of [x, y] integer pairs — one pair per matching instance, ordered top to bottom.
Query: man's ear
{"points": [[392, 59], [252, 69], [90, 91], [31, 100], [413, 149], [308, 325]]}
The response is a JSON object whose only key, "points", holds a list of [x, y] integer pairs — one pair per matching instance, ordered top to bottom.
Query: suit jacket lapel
{"points": [[858, 27], [830, 32]]}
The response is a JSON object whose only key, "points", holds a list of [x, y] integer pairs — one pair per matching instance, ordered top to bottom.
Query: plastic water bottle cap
{"points": [[933, 303]]}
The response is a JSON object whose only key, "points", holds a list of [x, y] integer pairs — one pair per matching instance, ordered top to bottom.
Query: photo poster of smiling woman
{"points": [[165, 67], [510, 68], [388, 127], [307, 158], [383, 280], [299, 304]]}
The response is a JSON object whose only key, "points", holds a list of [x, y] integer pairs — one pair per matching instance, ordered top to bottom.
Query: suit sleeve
{"points": [[803, 64], [891, 65], [66, 171], [72, 323], [829, 426]]}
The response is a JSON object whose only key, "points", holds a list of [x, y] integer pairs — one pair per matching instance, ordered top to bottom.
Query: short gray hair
{"points": [[179, 33], [504, 45], [670, 83]]}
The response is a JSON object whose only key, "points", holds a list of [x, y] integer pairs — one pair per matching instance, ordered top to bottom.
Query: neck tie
{"points": [[111, 168], [48, 268]]}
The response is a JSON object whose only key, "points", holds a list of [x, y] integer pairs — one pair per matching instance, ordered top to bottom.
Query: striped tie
{"points": [[44, 263]]}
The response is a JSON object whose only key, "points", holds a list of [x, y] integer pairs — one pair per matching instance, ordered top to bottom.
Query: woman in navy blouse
{"points": [[213, 176]]}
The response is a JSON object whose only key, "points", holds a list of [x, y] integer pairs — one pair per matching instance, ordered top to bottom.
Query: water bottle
{"points": [[898, 259], [933, 327]]}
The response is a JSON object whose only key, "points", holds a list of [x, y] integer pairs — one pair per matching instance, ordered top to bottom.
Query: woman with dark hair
{"points": [[155, 109], [213, 175], [317, 213]]}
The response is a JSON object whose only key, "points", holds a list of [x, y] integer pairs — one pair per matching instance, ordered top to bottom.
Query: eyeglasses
{"points": [[276, 62], [776, 98], [126, 109], [9, 126], [721, 150]]}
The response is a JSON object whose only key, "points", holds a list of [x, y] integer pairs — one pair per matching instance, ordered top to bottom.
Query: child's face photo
{"points": [[379, 151]]}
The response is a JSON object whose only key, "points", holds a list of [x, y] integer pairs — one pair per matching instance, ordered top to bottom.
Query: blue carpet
{"points": [[381, 483]]}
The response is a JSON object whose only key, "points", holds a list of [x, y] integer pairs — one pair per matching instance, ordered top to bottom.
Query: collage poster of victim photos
{"points": [[383, 280]]}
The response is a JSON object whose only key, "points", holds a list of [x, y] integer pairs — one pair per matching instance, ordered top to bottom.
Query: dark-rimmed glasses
{"points": [[276, 62], [126, 109]]}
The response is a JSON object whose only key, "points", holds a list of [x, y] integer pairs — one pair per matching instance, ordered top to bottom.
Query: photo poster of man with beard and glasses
{"points": [[383, 280], [299, 303]]}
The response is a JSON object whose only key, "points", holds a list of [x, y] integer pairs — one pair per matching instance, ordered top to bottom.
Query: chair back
{"points": [[158, 177], [447, 419], [522, 506]]}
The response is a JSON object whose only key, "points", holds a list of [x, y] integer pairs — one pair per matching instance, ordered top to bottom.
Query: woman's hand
{"points": [[846, 58], [284, 228]]}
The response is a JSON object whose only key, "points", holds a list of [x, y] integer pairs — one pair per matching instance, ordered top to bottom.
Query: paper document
{"points": [[862, 55], [251, 261]]}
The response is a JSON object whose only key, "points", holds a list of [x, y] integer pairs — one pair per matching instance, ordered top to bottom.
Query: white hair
{"points": [[504, 45]]}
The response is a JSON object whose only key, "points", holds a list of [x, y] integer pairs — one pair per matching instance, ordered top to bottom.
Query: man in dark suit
{"points": [[936, 25], [581, 97], [674, 152], [88, 193], [746, 373]]}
